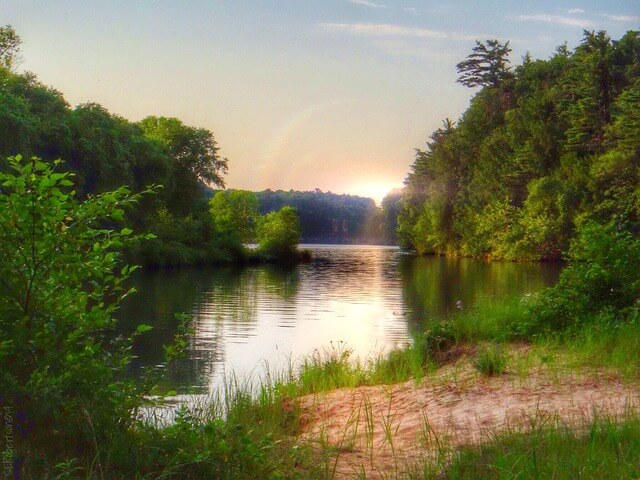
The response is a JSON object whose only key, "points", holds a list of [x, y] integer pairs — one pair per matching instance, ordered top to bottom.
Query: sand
{"points": [[382, 430]]}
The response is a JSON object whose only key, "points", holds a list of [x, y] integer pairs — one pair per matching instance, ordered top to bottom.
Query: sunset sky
{"points": [[333, 94]]}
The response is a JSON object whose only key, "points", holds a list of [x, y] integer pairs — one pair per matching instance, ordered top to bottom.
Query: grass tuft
{"points": [[491, 361]]}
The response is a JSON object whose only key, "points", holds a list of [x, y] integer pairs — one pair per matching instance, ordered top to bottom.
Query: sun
{"points": [[376, 189]]}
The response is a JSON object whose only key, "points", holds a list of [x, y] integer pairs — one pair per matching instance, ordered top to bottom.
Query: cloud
{"points": [[368, 4], [410, 9], [575, 10], [623, 18], [560, 20], [390, 30], [410, 48]]}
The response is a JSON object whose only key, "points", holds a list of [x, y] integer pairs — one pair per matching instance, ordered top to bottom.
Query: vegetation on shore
{"points": [[542, 148], [105, 152]]}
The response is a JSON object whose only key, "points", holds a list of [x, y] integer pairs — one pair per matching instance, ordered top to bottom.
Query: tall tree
{"points": [[10, 43], [486, 66], [196, 162]]}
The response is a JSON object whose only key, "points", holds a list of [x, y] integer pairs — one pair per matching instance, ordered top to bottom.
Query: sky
{"points": [[334, 94]]}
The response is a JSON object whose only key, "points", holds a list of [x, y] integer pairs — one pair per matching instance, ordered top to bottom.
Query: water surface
{"points": [[365, 298]]}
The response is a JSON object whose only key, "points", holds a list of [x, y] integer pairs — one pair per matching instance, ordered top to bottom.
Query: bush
{"points": [[279, 234], [60, 281], [602, 281], [436, 342]]}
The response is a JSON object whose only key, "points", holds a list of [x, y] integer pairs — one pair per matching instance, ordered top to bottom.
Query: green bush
{"points": [[279, 234], [602, 280], [60, 282], [436, 342]]}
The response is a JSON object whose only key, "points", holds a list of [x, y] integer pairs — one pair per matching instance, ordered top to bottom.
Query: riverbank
{"points": [[456, 403], [540, 412], [415, 428]]}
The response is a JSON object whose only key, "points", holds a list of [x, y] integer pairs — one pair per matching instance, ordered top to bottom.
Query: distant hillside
{"points": [[326, 217]]}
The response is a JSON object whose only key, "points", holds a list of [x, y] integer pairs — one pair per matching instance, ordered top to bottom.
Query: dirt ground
{"points": [[381, 431]]}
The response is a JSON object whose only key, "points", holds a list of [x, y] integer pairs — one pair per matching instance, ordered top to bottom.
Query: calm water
{"points": [[371, 298]]}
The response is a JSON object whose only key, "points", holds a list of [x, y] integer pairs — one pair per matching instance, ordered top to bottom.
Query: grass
{"points": [[491, 361], [336, 367], [252, 430], [249, 431], [601, 448]]}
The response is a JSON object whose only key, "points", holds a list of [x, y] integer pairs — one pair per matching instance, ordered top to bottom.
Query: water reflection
{"points": [[432, 286], [369, 297]]}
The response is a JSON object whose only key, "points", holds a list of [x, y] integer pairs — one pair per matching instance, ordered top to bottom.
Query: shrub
{"points": [[603, 280], [60, 281], [436, 342]]}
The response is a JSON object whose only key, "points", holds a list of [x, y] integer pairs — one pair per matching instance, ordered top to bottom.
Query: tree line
{"points": [[543, 149], [104, 152], [327, 217]]}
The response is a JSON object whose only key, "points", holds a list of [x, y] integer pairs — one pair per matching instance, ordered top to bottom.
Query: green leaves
{"points": [[235, 214], [278, 234], [60, 281], [142, 328]]}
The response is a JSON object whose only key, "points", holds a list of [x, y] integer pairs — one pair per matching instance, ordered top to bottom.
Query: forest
{"points": [[544, 148], [327, 217]]}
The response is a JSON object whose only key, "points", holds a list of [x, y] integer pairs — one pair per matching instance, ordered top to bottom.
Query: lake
{"points": [[365, 298]]}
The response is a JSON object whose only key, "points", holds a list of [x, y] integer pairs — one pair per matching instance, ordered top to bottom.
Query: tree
{"points": [[10, 43], [486, 66], [590, 91], [194, 153], [235, 213], [279, 234]]}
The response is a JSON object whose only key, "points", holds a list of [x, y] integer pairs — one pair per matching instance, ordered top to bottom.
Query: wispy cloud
{"points": [[368, 4], [575, 10], [623, 18], [558, 19], [390, 30], [410, 48]]}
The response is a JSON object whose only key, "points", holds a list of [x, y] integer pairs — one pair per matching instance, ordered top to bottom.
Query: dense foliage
{"points": [[542, 148], [105, 152], [278, 234], [59, 286]]}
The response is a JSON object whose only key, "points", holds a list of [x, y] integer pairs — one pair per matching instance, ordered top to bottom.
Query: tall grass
{"points": [[491, 361], [337, 367], [247, 431], [601, 448]]}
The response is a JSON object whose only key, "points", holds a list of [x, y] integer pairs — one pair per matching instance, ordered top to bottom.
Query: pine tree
{"points": [[486, 66]]}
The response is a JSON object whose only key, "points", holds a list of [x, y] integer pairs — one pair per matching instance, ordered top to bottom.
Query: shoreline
{"points": [[387, 431]]}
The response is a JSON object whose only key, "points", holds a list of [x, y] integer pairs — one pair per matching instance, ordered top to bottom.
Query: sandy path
{"points": [[451, 408]]}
